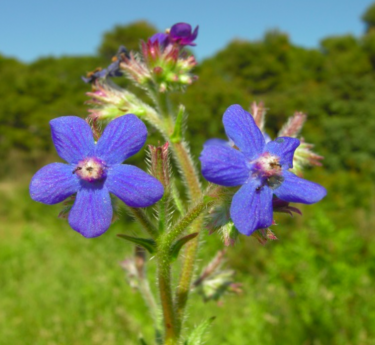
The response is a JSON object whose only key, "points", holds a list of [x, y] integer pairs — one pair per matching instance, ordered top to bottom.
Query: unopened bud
{"points": [[158, 70], [259, 113], [293, 126], [304, 156], [160, 167], [230, 234], [263, 235]]}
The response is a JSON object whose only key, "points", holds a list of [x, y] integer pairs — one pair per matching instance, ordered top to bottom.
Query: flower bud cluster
{"points": [[163, 60]]}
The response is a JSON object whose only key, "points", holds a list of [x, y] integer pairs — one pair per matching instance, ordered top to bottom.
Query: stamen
{"points": [[91, 169]]}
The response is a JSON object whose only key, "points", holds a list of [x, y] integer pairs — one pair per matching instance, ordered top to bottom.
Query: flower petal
{"points": [[180, 30], [194, 34], [240, 127], [72, 137], [122, 138], [216, 141], [284, 148], [223, 165], [54, 183], [133, 186], [296, 189], [251, 208], [91, 214]]}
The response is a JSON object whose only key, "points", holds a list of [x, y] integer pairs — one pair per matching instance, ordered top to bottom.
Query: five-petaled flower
{"points": [[260, 168], [94, 170]]}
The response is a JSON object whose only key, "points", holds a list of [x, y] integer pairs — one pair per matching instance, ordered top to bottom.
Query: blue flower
{"points": [[260, 168], [94, 170]]}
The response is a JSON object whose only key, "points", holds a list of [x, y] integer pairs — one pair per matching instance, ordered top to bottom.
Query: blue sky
{"points": [[34, 28]]}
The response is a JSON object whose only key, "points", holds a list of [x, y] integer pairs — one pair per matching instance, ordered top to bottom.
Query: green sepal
{"points": [[177, 134], [207, 199], [147, 243], [176, 247], [196, 337], [142, 341]]}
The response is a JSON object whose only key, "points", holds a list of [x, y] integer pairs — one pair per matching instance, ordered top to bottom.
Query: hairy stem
{"points": [[179, 149], [188, 170], [187, 272], [165, 289], [172, 321]]}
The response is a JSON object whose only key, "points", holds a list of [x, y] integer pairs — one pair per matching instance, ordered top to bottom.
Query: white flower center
{"points": [[268, 168], [90, 169]]}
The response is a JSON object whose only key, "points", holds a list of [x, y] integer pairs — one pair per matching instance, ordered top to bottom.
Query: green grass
{"points": [[314, 286]]}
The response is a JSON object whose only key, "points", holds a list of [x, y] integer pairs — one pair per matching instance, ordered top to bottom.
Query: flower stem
{"points": [[179, 149], [188, 170], [187, 271], [165, 289], [171, 322]]}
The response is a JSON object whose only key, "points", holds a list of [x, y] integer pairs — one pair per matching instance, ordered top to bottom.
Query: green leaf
{"points": [[177, 134], [146, 243], [179, 243], [196, 337]]}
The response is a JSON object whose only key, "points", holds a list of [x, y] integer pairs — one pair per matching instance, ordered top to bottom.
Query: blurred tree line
{"points": [[334, 85]]}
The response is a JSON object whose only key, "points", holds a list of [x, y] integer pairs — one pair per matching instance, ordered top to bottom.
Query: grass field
{"points": [[313, 286]]}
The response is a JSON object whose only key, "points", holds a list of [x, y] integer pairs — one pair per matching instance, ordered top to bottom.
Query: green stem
{"points": [[179, 149], [188, 170], [176, 198], [163, 213], [185, 221], [146, 223], [187, 271], [165, 289], [171, 321]]}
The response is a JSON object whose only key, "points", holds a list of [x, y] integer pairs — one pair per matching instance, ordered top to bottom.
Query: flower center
{"points": [[268, 168], [90, 169]]}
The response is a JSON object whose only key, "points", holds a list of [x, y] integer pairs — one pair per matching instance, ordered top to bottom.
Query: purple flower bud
{"points": [[182, 35]]}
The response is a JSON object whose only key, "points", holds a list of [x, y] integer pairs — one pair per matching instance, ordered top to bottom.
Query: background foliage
{"points": [[314, 286]]}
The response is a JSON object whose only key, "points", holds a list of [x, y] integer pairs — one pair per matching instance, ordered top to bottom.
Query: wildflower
{"points": [[181, 34], [260, 168], [94, 170]]}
